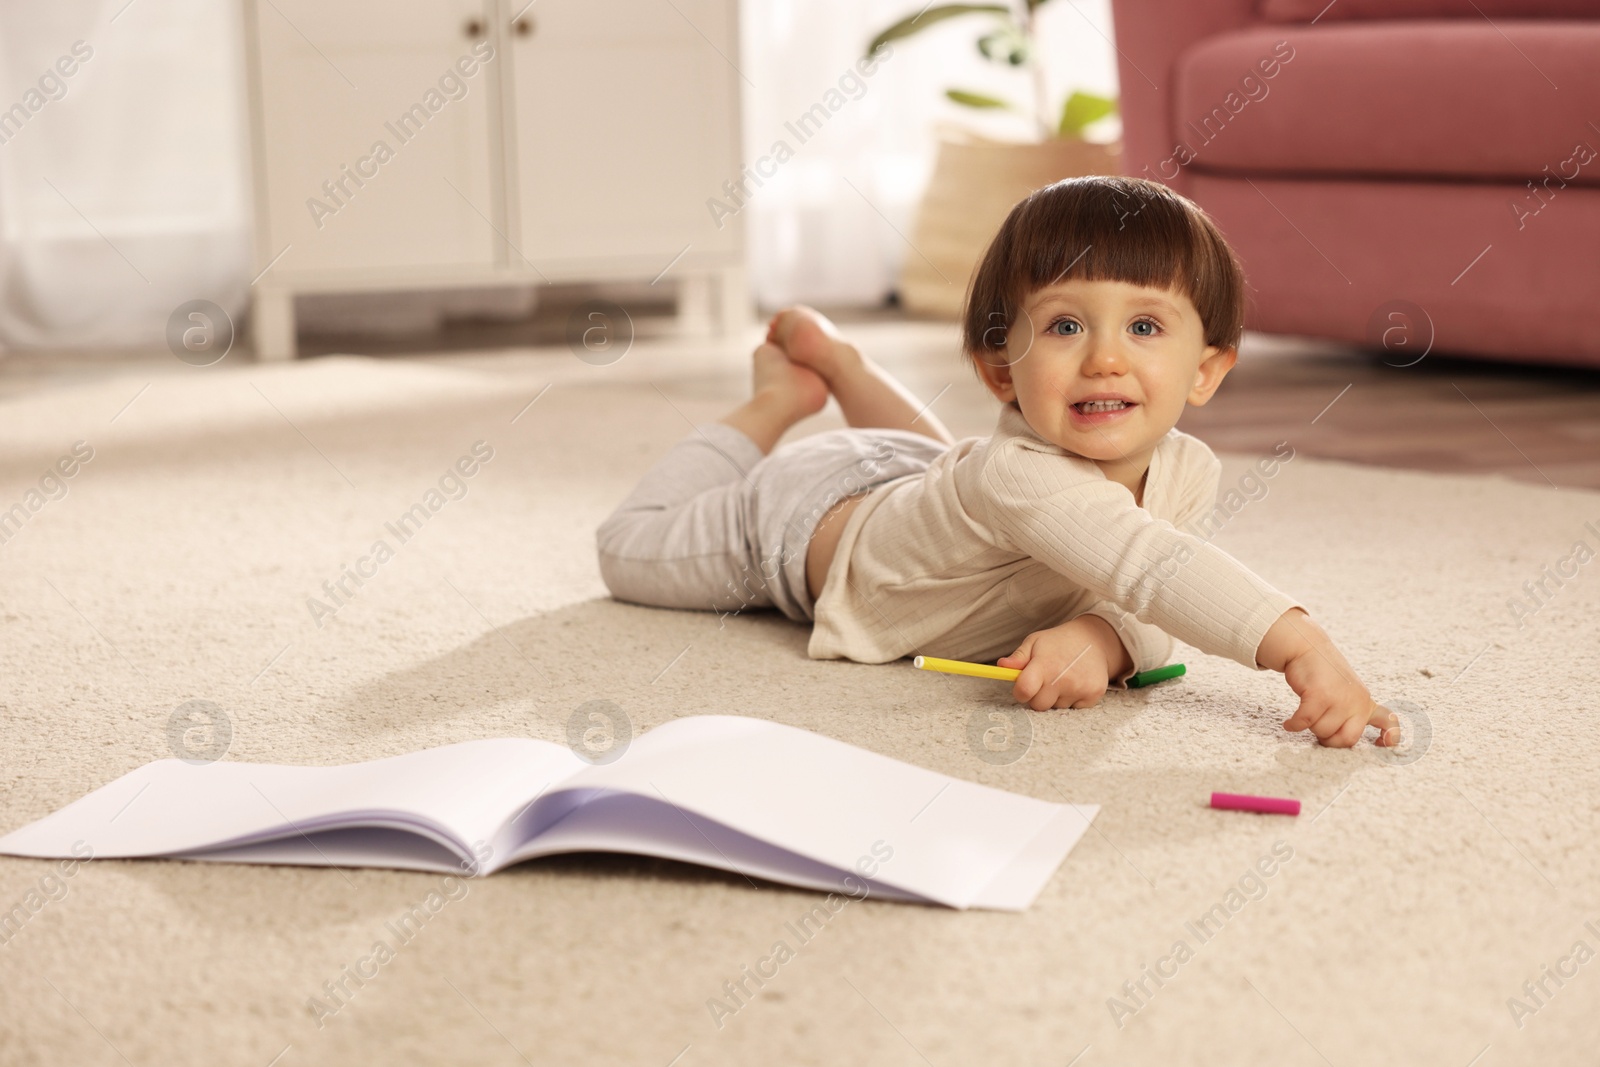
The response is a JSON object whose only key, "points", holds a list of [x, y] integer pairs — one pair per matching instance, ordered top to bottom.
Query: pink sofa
{"points": [[1390, 171]]}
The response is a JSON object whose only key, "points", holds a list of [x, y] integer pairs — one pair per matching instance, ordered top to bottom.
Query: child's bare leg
{"points": [[782, 393], [868, 395]]}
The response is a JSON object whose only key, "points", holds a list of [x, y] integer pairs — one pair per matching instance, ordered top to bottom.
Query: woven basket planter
{"points": [[975, 183]]}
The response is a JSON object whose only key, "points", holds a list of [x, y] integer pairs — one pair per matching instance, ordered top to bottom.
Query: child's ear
{"points": [[1214, 367], [996, 374]]}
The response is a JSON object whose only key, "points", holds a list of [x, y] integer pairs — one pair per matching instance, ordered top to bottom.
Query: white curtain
{"points": [[124, 185], [124, 194]]}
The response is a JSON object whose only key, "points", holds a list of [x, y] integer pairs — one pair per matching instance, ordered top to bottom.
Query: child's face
{"points": [[1080, 339]]}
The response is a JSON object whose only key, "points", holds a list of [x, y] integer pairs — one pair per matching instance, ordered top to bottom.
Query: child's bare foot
{"points": [[811, 340], [792, 389], [782, 393], [867, 394]]}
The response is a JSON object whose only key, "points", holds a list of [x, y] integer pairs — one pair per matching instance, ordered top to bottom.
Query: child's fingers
{"points": [[1018, 659], [1026, 685], [1036, 685], [1041, 686], [1029, 687], [1064, 689], [1024, 693], [1087, 696], [1307, 713], [1318, 716], [1329, 723], [1388, 724], [1340, 726], [1342, 729], [1348, 733]]}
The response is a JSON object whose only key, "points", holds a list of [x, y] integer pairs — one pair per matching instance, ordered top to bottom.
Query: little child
{"points": [[1103, 306]]}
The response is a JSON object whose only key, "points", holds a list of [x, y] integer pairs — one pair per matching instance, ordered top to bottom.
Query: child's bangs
{"points": [[1106, 229], [1105, 243]]}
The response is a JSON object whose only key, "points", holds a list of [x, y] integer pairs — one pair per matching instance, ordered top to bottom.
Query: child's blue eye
{"points": [[1141, 327]]}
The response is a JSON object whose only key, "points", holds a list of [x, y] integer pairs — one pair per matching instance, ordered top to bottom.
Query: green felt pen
{"points": [[1159, 674]]}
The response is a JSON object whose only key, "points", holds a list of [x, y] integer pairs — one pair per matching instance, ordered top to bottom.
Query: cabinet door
{"points": [[388, 102], [626, 119]]}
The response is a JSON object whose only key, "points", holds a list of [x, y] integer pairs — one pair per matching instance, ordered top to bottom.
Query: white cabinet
{"points": [[433, 143]]}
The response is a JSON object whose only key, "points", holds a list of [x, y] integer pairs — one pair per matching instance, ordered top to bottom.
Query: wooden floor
{"points": [[1532, 423], [1537, 424]]}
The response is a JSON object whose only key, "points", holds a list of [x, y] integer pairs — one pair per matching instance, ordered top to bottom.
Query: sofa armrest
{"points": [[1150, 35]]}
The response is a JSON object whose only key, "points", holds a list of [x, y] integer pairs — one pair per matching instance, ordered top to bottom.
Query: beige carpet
{"points": [[1418, 897]]}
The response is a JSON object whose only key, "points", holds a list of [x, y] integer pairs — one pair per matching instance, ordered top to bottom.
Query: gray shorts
{"points": [[716, 525]]}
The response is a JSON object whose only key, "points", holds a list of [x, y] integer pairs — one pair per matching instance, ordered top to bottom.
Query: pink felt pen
{"points": [[1265, 805]]}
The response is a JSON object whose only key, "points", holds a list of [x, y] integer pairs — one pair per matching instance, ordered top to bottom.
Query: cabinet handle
{"points": [[523, 26], [473, 29]]}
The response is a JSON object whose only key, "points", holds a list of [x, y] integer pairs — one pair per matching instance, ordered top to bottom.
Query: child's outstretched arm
{"points": [[1089, 531], [1334, 704]]}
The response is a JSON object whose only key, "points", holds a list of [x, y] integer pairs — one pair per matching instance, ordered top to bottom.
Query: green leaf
{"points": [[923, 19], [1008, 45], [977, 100], [1081, 109]]}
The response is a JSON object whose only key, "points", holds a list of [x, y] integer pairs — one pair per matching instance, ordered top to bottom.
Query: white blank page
{"points": [[458, 794], [831, 802]]}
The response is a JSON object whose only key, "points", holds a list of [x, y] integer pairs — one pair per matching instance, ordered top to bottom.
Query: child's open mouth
{"points": [[1094, 412]]}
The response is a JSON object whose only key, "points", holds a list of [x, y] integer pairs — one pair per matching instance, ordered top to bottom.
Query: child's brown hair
{"points": [[1105, 228]]}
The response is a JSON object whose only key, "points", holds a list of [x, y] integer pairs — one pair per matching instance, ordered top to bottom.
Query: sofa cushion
{"points": [[1323, 10], [1442, 99], [1327, 255]]}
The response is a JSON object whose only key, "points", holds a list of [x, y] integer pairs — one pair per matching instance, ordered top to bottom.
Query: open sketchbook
{"points": [[745, 795]]}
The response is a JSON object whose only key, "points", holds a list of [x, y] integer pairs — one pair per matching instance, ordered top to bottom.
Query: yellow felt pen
{"points": [[1009, 674]]}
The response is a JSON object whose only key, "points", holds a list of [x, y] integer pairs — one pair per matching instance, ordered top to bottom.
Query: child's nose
{"points": [[1105, 356]]}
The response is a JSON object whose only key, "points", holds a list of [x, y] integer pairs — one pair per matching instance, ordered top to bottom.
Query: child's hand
{"points": [[1066, 666], [1334, 704]]}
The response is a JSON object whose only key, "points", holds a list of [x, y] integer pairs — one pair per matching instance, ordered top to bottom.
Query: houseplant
{"points": [[976, 180]]}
